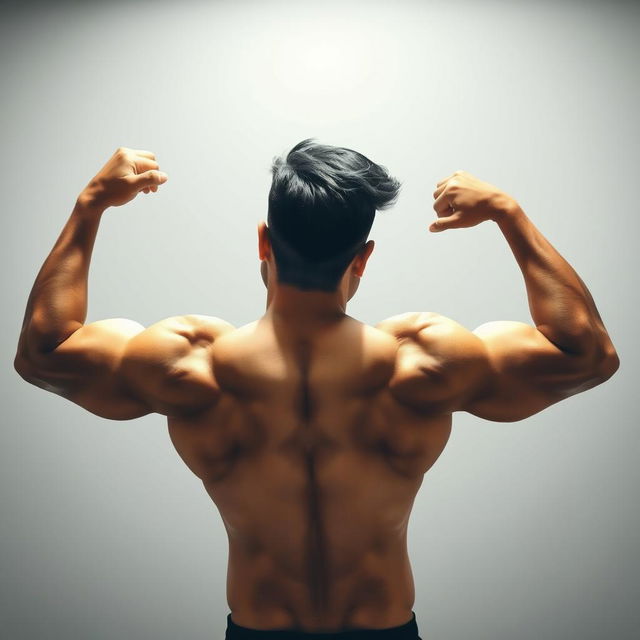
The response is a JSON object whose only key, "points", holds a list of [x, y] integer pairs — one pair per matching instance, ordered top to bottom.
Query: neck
{"points": [[285, 302]]}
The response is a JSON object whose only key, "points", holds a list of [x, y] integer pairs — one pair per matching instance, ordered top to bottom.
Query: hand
{"points": [[127, 172], [462, 201]]}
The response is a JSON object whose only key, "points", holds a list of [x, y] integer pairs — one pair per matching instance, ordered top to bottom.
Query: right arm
{"points": [[567, 352], [506, 371]]}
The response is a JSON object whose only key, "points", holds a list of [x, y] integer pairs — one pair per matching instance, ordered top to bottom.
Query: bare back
{"points": [[312, 440], [314, 464]]}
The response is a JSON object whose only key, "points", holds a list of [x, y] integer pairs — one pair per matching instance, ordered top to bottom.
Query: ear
{"points": [[264, 245], [360, 260]]}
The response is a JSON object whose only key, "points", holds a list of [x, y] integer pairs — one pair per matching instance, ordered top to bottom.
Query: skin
{"points": [[310, 430]]}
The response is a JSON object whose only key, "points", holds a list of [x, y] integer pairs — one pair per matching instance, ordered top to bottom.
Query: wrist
{"points": [[87, 206], [505, 208]]}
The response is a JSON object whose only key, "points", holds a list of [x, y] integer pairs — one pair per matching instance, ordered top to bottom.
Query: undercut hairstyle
{"points": [[322, 203]]}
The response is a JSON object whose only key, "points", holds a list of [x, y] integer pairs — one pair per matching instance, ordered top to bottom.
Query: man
{"points": [[310, 430]]}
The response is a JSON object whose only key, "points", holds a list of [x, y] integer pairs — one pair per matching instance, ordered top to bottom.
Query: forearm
{"points": [[560, 303], [57, 305]]}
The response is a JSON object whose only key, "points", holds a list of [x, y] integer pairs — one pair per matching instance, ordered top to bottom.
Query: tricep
{"points": [[85, 369], [117, 369], [526, 372]]}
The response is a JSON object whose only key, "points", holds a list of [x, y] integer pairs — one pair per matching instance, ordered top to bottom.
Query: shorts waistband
{"points": [[407, 631]]}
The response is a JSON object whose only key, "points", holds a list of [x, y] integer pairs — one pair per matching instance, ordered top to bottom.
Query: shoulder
{"points": [[412, 321], [193, 326], [427, 327], [180, 333], [438, 335], [164, 344], [437, 359], [170, 362]]}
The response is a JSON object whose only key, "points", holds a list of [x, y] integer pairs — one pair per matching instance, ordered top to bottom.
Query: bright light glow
{"points": [[321, 64]]}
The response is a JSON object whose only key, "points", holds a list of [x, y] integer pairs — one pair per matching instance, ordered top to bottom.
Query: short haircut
{"points": [[322, 204]]}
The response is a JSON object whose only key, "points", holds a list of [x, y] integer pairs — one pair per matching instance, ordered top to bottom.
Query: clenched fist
{"points": [[127, 172], [462, 201]]}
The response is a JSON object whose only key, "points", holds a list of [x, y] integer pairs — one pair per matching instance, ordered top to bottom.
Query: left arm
{"points": [[57, 305], [100, 366]]}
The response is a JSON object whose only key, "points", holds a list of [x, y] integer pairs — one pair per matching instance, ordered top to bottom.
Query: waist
{"points": [[375, 593], [407, 630]]}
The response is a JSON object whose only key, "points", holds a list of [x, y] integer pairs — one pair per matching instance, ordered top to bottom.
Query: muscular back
{"points": [[313, 440], [314, 461]]}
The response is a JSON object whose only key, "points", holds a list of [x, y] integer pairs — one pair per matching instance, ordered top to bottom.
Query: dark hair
{"points": [[322, 204]]}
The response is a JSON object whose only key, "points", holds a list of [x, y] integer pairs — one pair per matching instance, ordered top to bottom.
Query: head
{"points": [[322, 203]]}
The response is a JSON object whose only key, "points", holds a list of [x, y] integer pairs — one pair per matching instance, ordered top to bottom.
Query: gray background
{"points": [[526, 530]]}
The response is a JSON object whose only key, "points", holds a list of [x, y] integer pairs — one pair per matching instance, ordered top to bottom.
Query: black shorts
{"points": [[407, 631]]}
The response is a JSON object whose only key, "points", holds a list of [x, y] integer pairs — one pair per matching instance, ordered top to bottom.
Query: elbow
{"points": [[604, 358], [26, 359], [21, 361], [605, 362], [609, 365], [24, 367]]}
